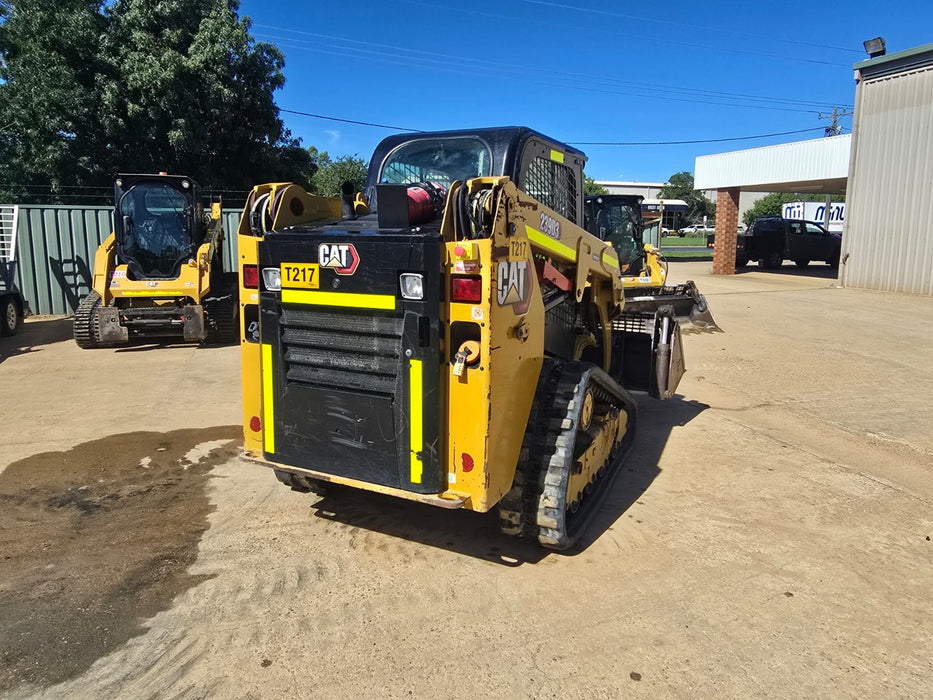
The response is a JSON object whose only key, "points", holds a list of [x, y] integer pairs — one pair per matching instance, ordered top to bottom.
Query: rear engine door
{"points": [[350, 365]]}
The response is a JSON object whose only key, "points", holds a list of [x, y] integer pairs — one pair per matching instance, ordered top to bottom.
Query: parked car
{"points": [[696, 229], [771, 240]]}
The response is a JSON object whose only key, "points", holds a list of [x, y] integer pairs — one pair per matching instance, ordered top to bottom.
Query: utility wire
{"points": [[694, 27], [433, 57], [783, 57], [407, 61], [350, 121], [575, 143], [678, 143]]}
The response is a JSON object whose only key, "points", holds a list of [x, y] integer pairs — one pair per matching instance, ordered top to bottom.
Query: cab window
{"points": [[437, 161]]}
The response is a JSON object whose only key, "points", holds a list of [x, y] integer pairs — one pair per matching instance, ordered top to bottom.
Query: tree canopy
{"points": [[91, 88], [330, 174], [590, 186], [680, 186]]}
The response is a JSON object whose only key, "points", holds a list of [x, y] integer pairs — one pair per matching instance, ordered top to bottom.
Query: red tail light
{"points": [[251, 276], [468, 289]]}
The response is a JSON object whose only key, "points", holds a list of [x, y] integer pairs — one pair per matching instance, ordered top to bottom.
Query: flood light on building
{"points": [[874, 47]]}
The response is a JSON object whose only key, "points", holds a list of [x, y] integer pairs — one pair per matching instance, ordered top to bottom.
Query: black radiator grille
{"points": [[566, 315], [634, 323], [354, 350]]}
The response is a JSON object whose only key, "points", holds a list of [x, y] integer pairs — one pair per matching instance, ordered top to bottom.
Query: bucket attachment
{"points": [[688, 305], [647, 352]]}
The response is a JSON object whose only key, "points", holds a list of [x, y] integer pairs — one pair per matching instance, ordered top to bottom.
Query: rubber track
{"points": [[223, 314], [85, 324], [536, 506], [518, 507]]}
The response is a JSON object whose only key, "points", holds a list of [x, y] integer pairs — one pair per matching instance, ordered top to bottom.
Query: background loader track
{"points": [[86, 323]]}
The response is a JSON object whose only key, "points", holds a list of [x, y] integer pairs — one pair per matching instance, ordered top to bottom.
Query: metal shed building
{"points": [[888, 238]]}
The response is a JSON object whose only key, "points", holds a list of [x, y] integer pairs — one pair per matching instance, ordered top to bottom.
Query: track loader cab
{"points": [[617, 220], [158, 224], [159, 274], [451, 335]]}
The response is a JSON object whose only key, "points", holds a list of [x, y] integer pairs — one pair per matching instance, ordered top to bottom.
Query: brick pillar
{"points": [[727, 224]]}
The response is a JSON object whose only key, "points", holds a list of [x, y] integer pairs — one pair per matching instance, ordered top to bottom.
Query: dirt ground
{"points": [[770, 537]]}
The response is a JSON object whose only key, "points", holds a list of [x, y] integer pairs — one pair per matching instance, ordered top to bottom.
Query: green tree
{"points": [[50, 65], [92, 88], [194, 94], [330, 175], [590, 186], [680, 186], [773, 204]]}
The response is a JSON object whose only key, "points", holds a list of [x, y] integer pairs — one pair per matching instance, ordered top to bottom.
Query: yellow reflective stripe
{"points": [[557, 155], [543, 241], [609, 260], [168, 291], [356, 301], [268, 417], [415, 417]]}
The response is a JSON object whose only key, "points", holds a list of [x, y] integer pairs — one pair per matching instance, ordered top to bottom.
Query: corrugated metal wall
{"points": [[889, 219], [55, 252]]}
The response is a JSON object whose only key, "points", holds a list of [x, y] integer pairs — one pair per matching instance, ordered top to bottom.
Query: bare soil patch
{"points": [[96, 539]]}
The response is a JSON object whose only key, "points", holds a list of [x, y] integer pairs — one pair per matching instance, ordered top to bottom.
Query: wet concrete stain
{"points": [[95, 540]]}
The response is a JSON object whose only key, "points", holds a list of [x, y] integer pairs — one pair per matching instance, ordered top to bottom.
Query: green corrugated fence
{"points": [[55, 247]]}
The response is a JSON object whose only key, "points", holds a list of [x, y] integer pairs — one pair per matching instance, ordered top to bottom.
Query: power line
{"points": [[769, 37], [783, 57], [407, 61], [459, 61], [350, 121], [576, 143], [679, 143]]}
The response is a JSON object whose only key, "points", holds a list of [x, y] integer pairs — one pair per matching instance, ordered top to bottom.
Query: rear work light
{"points": [[251, 276], [272, 277], [412, 285], [467, 289]]}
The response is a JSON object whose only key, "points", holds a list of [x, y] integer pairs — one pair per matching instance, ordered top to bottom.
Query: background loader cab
{"points": [[616, 219], [157, 224], [160, 275]]}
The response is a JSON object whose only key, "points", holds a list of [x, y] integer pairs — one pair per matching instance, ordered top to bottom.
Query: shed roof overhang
{"points": [[818, 165]]}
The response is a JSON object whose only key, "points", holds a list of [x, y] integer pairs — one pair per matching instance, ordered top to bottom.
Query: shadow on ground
{"points": [[817, 270], [33, 334], [477, 534], [93, 541]]}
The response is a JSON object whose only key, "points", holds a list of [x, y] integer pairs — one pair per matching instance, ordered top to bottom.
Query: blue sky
{"points": [[578, 70]]}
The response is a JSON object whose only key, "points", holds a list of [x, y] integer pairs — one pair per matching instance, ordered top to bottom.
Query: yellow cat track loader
{"points": [[616, 219], [160, 274], [451, 336]]}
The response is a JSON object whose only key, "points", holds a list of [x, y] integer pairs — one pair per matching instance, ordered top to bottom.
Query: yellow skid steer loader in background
{"points": [[160, 273]]}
